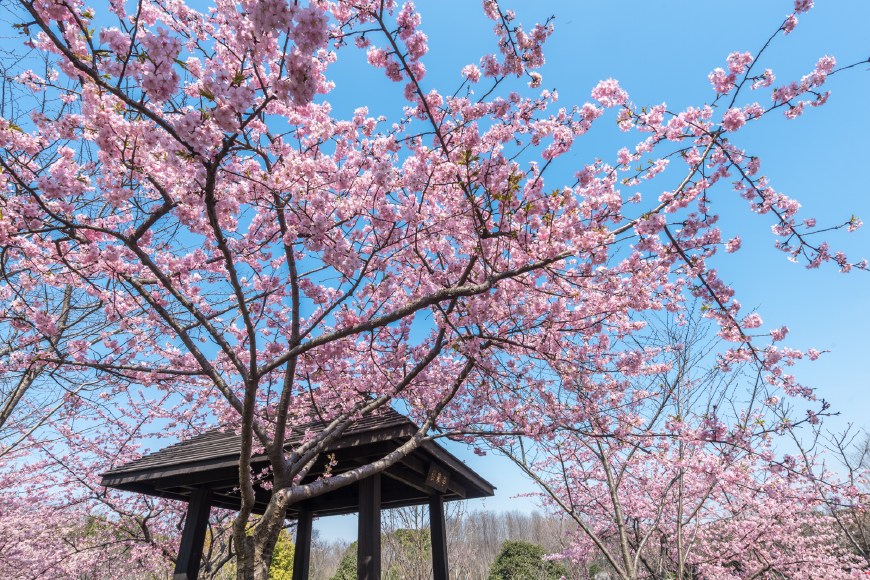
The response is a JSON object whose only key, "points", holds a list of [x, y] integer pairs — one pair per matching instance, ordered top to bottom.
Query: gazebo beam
{"points": [[438, 532], [193, 536], [302, 553], [368, 565]]}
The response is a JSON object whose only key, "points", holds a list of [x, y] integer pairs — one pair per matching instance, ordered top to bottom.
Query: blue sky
{"points": [[663, 51]]}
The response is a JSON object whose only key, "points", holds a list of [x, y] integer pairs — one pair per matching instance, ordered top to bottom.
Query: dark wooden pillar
{"points": [[438, 531], [193, 536], [302, 553], [368, 565]]}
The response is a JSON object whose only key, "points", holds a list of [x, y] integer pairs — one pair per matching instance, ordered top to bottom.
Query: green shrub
{"points": [[524, 561], [281, 567]]}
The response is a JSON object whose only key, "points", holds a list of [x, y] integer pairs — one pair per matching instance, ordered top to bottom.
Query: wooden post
{"points": [[438, 531], [193, 536], [302, 553], [368, 565]]}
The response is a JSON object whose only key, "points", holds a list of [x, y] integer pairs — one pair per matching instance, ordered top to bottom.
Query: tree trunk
{"points": [[254, 550], [244, 557], [254, 563]]}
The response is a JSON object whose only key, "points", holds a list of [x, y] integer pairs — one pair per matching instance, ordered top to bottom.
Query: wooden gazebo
{"points": [[203, 471]]}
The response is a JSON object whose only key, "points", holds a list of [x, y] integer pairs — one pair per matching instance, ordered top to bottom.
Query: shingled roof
{"points": [[211, 460]]}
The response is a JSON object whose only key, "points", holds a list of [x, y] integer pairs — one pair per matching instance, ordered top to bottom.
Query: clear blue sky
{"points": [[663, 51]]}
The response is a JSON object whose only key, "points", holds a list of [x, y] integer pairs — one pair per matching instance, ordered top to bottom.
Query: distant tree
{"points": [[407, 554], [325, 557], [524, 561], [347, 566]]}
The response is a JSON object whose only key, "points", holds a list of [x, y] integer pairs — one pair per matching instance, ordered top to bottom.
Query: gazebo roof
{"points": [[211, 460]]}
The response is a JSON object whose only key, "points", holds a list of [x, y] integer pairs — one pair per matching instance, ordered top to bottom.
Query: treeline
{"points": [[475, 541], [507, 545]]}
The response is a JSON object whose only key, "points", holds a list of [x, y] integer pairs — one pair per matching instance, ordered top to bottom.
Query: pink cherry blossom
{"points": [[801, 6], [722, 82], [609, 93], [733, 119], [733, 244]]}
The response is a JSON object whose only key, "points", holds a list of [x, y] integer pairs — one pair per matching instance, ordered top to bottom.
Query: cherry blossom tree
{"points": [[257, 260], [676, 473], [846, 503], [59, 522], [66, 525]]}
